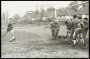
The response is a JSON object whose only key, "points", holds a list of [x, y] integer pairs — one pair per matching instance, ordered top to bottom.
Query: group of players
{"points": [[77, 27]]}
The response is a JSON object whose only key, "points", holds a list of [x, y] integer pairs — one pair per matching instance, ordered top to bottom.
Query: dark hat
{"points": [[74, 16], [79, 17], [86, 18], [66, 22]]}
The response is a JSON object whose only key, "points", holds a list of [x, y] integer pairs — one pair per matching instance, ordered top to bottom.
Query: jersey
{"points": [[75, 22], [68, 24], [54, 25], [85, 26], [10, 27]]}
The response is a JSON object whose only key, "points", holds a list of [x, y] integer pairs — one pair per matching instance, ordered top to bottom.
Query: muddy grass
{"points": [[37, 43]]}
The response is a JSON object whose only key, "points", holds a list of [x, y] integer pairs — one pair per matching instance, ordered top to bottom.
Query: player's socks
{"points": [[13, 38], [74, 42]]}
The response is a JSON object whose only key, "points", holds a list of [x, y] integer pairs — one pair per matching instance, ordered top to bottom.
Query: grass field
{"points": [[35, 42]]}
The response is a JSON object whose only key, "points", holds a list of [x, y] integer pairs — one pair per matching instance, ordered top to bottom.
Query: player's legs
{"points": [[77, 32], [52, 33], [56, 33], [12, 34], [71, 34], [84, 37]]}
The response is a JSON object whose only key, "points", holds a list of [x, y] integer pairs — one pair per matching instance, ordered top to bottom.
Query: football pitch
{"points": [[36, 42]]}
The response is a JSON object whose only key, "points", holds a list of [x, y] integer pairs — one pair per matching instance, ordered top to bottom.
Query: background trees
{"points": [[75, 8], [16, 18]]}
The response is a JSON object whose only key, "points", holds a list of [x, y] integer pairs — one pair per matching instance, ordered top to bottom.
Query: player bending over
{"points": [[10, 29]]}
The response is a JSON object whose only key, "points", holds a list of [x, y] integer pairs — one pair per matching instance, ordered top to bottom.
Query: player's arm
{"points": [[51, 23], [86, 26]]}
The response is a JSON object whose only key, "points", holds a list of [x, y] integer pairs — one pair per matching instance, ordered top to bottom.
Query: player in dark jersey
{"points": [[74, 25], [84, 26], [68, 27], [10, 29]]}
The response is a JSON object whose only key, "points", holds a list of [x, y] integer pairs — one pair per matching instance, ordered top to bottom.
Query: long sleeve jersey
{"points": [[10, 26]]}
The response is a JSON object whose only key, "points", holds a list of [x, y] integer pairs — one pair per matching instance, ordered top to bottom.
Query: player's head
{"points": [[74, 16], [79, 17], [85, 19], [10, 20], [66, 22]]}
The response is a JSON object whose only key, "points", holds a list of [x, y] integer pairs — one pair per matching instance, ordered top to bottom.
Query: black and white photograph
{"points": [[44, 29]]}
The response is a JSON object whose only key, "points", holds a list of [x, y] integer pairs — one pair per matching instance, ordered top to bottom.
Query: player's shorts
{"points": [[12, 31]]}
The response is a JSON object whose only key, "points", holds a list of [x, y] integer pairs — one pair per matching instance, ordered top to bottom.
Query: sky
{"points": [[20, 7]]}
